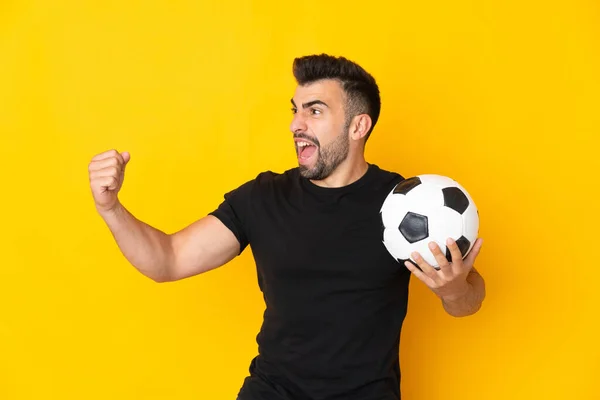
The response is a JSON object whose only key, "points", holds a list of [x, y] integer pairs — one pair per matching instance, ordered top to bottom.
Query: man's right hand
{"points": [[107, 171]]}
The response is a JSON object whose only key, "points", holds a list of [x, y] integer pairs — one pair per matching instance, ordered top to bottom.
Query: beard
{"points": [[329, 157]]}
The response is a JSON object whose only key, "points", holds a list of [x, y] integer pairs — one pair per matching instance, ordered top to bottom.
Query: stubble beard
{"points": [[329, 157]]}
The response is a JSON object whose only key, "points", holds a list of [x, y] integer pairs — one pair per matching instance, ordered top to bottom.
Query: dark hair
{"points": [[362, 92]]}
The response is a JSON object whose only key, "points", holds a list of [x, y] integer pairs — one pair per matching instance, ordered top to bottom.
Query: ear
{"points": [[360, 126]]}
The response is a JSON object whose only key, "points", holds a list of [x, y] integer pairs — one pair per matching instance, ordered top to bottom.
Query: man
{"points": [[335, 298]]}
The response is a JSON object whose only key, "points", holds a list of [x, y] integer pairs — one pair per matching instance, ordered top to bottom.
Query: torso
{"points": [[335, 298]]}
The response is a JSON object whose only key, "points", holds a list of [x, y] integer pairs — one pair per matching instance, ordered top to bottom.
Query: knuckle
{"points": [[93, 166]]}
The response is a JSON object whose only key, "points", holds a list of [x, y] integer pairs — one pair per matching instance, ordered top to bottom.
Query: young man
{"points": [[335, 298]]}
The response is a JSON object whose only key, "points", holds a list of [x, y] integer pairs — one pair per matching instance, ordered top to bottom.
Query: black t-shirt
{"points": [[335, 298]]}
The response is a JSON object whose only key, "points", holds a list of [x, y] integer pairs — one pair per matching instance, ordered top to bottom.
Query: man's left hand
{"points": [[450, 281]]}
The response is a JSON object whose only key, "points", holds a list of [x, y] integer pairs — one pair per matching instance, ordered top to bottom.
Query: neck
{"points": [[347, 172]]}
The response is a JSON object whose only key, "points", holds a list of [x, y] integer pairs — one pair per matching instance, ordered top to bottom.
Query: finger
{"points": [[106, 154], [126, 157], [104, 163], [105, 172], [106, 183], [440, 258], [457, 258], [470, 258], [425, 267], [418, 273]]}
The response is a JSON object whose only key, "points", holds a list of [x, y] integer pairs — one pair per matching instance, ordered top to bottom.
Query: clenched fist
{"points": [[106, 178]]}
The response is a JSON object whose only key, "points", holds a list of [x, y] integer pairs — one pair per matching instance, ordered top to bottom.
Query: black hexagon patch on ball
{"points": [[407, 185], [455, 199], [414, 227], [463, 245]]}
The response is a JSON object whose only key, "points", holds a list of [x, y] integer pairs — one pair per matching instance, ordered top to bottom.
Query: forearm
{"points": [[148, 249], [470, 301]]}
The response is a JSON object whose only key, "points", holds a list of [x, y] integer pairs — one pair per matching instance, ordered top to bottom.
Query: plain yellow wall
{"points": [[503, 96]]}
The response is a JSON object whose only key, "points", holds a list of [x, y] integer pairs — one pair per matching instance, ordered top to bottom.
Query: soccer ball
{"points": [[428, 208]]}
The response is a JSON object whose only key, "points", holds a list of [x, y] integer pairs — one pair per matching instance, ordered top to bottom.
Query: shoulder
{"points": [[384, 177], [270, 178], [266, 181]]}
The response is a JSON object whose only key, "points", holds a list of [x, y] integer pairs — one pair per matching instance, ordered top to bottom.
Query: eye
{"points": [[294, 110], [315, 111]]}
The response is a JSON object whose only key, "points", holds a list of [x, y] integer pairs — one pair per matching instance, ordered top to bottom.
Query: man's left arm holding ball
{"points": [[458, 284]]}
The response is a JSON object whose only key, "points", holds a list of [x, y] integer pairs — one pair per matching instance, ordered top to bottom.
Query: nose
{"points": [[298, 124]]}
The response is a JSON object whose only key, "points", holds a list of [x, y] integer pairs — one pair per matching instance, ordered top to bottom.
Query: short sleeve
{"points": [[234, 212]]}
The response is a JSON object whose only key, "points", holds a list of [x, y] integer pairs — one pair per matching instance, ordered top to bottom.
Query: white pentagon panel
{"points": [[437, 180], [426, 194], [388, 199], [416, 205], [393, 210], [444, 222], [471, 223], [395, 244], [422, 247]]}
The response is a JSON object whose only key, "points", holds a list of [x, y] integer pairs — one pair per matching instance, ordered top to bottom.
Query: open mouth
{"points": [[305, 149]]}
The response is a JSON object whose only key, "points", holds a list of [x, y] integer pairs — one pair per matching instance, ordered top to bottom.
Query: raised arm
{"points": [[204, 245]]}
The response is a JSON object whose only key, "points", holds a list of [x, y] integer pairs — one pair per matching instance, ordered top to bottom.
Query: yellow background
{"points": [[503, 96]]}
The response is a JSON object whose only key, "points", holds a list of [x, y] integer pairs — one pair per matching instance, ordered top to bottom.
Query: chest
{"points": [[300, 239]]}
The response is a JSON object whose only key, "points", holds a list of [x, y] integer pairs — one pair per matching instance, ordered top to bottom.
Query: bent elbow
{"points": [[163, 275], [160, 279]]}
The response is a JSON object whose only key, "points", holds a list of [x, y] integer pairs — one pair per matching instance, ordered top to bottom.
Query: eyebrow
{"points": [[311, 103]]}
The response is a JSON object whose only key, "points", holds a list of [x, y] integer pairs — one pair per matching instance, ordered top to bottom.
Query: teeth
{"points": [[303, 144]]}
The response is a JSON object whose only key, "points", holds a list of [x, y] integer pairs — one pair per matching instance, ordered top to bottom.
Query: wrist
{"points": [[111, 212], [458, 294]]}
